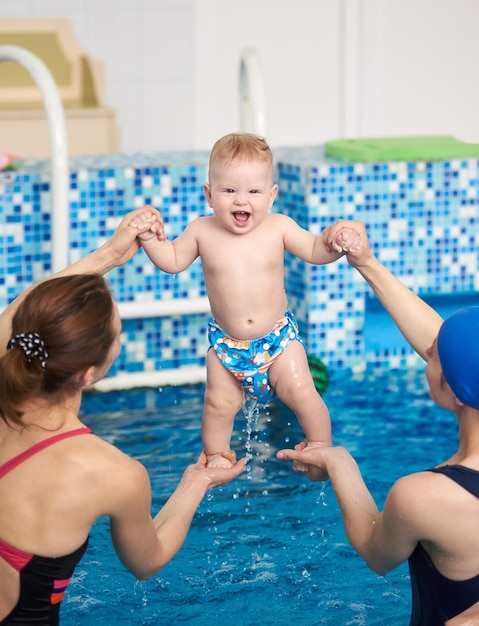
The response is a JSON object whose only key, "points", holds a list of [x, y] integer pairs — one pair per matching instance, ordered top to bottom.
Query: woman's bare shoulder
{"points": [[108, 458], [112, 469]]}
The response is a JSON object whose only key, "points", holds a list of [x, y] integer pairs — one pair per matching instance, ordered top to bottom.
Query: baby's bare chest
{"points": [[250, 257]]}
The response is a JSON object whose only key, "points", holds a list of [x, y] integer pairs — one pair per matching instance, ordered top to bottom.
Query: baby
{"points": [[254, 337]]}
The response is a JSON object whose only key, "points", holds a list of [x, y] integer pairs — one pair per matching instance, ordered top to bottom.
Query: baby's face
{"points": [[241, 193]]}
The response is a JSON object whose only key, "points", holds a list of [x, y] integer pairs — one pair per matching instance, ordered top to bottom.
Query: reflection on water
{"points": [[269, 547]]}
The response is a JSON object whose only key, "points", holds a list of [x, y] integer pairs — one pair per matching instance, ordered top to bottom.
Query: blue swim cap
{"points": [[458, 348]]}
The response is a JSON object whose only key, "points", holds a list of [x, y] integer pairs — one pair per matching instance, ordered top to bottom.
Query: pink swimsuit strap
{"points": [[41, 445]]}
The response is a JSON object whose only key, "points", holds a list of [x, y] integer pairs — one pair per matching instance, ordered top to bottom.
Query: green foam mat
{"points": [[420, 148]]}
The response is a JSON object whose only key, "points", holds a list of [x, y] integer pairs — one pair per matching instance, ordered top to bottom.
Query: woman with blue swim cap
{"points": [[430, 518]]}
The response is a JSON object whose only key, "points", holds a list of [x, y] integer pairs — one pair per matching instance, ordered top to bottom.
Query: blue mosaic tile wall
{"points": [[422, 220]]}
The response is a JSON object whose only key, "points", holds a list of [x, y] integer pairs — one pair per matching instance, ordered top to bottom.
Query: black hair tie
{"points": [[32, 345]]}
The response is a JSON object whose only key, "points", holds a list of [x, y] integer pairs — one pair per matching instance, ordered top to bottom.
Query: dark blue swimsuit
{"points": [[43, 580], [436, 598]]}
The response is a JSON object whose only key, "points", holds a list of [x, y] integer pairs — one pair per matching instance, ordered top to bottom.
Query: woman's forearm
{"points": [[119, 249], [358, 508], [173, 521]]}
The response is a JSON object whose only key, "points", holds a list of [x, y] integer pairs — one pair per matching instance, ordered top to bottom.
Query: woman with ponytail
{"points": [[56, 476]]}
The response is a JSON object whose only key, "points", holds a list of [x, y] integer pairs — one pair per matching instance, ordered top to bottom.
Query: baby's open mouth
{"points": [[241, 217]]}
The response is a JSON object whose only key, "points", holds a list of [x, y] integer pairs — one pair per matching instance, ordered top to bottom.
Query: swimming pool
{"points": [[269, 547]]}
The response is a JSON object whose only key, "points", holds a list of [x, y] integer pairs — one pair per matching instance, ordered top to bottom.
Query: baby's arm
{"points": [[319, 249], [169, 256]]}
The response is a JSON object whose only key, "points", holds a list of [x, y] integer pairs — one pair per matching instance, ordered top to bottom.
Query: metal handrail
{"points": [[252, 99], [58, 143]]}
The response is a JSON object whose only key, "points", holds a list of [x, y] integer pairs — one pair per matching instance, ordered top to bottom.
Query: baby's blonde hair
{"points": [[240, 147]]}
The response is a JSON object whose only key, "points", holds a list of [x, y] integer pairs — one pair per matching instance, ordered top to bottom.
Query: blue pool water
{"points": [[269, 547]]}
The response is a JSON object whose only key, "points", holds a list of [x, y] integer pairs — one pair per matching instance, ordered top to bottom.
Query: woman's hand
{"points": [[148, 224], [348, 236], [123, 244], [310, 460], [216, 476]]}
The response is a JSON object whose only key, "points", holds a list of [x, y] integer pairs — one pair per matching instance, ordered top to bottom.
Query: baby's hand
{"points": [[149, 225], [334, 239], [347, 240]]}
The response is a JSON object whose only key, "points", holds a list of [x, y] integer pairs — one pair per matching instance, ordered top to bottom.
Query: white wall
{"points": [[298, 47], [331, 67], [419, 67]]}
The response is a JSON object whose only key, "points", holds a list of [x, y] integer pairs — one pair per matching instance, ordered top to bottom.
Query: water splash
{"points": [[250, 408], [322, 495], [140, 593]]}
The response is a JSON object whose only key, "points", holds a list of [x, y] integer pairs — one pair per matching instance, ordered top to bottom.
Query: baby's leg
{"points": [[293, 383], [223, 400]]}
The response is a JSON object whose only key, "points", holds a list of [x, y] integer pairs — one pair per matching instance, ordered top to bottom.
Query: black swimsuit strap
{"points": [[464, 476]]}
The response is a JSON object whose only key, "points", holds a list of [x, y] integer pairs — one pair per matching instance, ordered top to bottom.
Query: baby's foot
{"points": [[218, 460]]}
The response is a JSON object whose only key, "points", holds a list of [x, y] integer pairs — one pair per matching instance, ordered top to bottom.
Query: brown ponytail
{"points": [[73, 317]]}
